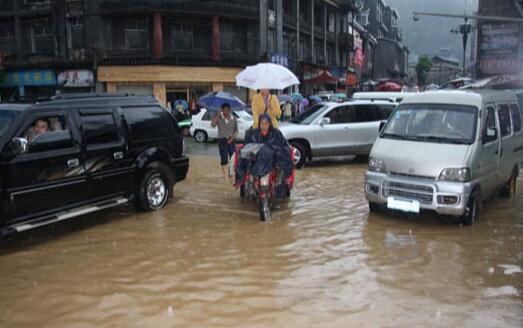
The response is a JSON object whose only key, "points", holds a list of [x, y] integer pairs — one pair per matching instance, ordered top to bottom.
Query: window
{"points": [[6, 4], [332, 23], [75, 33], [135, 33], [181, 36], [7, 37], [227, 37], [42, 40], [385, 111], [366, 113], [209, 115], [340, 115], [515, 115], [504, 120], [147, 123], [432, 123], [490, 123], [99, 128], [48, 133]]}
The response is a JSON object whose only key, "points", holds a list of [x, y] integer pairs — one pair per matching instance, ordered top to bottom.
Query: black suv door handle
{"points": [[118, 155], [72, 163]]}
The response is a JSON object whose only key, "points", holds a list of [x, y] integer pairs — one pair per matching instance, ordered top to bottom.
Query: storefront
{"points": [[317, 79], [76, 81], [169, 83], [28, 84]]}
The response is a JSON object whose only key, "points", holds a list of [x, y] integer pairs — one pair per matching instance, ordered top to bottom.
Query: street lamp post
{"points": [[464, 30]]}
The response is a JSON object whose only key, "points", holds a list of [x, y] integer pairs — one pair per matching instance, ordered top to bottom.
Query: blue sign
{"points": [[279, 59], [41, 77]]}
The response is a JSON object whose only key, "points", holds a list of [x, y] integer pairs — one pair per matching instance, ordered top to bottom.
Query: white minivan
{"points": [[446, 151]]}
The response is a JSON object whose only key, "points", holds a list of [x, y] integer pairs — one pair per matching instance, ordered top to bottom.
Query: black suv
{"points": [[78, 154]]}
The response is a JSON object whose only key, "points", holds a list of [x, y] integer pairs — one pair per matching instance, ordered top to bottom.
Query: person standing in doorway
{"points": [[227, 133]]}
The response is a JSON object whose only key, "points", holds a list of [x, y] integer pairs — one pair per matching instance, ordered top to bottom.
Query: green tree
{"points": [[422, 70]]}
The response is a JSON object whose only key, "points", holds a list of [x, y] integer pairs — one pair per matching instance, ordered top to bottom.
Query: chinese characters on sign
{"points": [[499, 48], [279, 59], [44, 77]]}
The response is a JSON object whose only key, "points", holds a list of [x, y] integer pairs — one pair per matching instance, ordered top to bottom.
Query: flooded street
{"points": [[323, 261]]}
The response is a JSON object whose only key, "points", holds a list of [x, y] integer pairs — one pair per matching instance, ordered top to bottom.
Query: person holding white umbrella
{"points": [[263, 77], [265, 103]]}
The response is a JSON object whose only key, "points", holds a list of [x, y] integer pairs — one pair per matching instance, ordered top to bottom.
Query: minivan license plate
{"points": [[410, 206]]}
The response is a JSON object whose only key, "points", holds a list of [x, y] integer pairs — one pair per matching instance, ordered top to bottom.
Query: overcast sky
{"points": [[430, 34]]}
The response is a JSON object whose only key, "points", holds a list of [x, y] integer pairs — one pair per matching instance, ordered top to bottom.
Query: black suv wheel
{"points": [[154, 189]]}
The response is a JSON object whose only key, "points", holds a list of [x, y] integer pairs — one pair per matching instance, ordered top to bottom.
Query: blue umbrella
{"points": [[296, 97], [285, 98], [316, 99], [215, 100], [181, 105]]}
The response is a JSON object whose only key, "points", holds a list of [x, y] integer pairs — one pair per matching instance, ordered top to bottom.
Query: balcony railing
{"points": [[237, 8]]}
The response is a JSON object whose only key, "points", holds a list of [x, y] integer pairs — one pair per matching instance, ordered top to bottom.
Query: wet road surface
{"points": [[323, 261]]}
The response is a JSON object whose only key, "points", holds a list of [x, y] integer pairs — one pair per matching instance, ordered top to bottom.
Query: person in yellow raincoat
{"points": [[265, 103]]}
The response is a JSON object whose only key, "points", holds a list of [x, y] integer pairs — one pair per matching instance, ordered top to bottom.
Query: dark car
{"points": [[78, 154]]}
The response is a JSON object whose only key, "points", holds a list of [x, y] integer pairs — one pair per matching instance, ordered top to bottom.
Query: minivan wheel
{"points": [[200, 136], [300, 154], [154, 189], [509, 189], [471, 212]]}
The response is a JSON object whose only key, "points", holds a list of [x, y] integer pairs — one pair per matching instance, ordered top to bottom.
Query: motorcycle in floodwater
{"points": [[263, 190]]}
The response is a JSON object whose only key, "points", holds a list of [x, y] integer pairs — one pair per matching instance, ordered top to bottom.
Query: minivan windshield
{"points": [[309, 115], [6, 118], [432, 123]]}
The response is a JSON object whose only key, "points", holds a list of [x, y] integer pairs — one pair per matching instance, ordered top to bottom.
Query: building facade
{"points": [[499, 45], [175, 49], [390, 56], [443, 70]]}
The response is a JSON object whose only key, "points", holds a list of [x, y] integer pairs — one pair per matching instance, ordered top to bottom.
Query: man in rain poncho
{"points": [[275, 151]]}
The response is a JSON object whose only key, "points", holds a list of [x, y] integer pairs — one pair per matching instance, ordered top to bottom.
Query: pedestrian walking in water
{"points": [[227, 133]]}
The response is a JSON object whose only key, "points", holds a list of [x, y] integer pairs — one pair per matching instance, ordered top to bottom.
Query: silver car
{"points": [[335, 129]]}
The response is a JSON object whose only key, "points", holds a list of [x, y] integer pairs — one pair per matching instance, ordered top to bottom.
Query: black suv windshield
{"points": [[309, 115], [6, 118], [432, 123]]}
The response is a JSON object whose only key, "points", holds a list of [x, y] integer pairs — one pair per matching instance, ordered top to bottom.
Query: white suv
{"points": [[335, 129]]}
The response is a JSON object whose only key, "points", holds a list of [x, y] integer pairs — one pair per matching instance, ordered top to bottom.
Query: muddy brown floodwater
{"points": [[323, 261]]}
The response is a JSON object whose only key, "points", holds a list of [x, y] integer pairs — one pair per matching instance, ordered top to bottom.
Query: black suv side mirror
{"points": [[19, 146]]}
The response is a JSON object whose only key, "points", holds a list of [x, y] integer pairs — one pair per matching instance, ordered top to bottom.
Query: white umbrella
{"points": [[266, 76]]}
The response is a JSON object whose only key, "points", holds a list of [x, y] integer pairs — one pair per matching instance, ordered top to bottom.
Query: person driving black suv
{"points": [[77, 154]]}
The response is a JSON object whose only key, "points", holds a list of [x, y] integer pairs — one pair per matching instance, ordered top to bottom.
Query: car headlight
{"points": [[376, 165], [460, 174]]}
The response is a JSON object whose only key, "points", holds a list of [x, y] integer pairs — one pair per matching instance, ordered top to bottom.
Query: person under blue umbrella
{"points": [[215, 100]]}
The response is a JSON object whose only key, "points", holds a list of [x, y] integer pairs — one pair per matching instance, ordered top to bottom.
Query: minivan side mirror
{"points": [[325, 121], [491, 134], [19, 146]]}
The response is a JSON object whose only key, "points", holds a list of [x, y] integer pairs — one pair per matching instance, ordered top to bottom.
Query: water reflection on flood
{"points": [[206, 260]]}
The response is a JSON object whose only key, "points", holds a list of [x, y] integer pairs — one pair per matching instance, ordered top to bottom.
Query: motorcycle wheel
{"points": [[265, 209]]}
